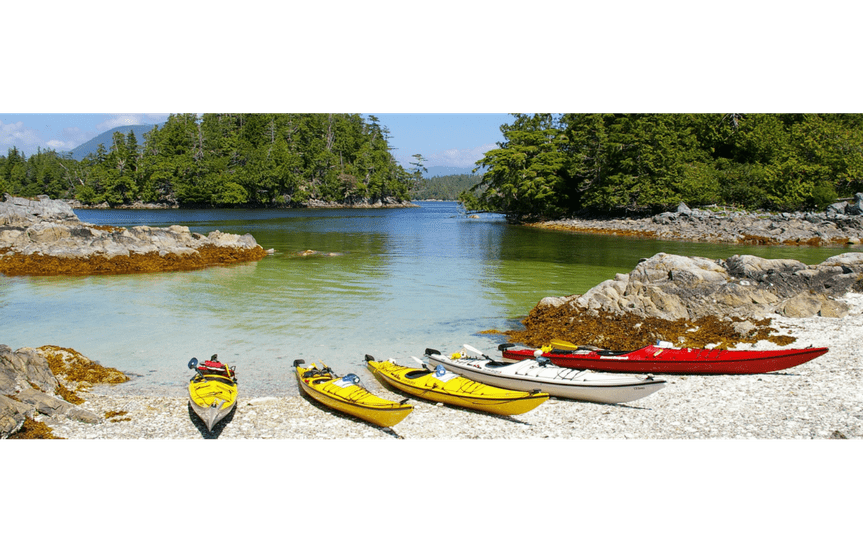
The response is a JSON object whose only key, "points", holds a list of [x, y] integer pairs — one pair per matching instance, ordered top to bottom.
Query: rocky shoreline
{"points": [[388, 202], [840, 224], [45, 237], [742, 301], [696, 302], [819, 399], [816, 400]]}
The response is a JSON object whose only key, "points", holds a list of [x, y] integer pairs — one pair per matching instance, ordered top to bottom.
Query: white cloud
{"points": [[155, 118], [119, 120], [17, 135], [71, 138], [61, 145], [462, 158]]}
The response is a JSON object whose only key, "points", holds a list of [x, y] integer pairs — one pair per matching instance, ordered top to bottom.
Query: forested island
{"points": [[225, 160], [549, 165], [554, 165], [448, 187]]}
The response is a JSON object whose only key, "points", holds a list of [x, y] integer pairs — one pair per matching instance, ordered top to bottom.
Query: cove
{"points": [[385, 282]]}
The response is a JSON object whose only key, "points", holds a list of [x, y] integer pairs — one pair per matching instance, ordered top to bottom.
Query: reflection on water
{"points": [[404, 279]]}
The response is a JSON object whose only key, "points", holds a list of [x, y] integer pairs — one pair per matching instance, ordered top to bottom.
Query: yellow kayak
{"points": [[443, 386], [212, 391], [347, 395]]}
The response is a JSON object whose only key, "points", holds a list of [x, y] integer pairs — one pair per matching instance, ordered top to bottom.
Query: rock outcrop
{"points": [[839, 224], [45, 237], [674, 287], [675, 297], [43, 381]]}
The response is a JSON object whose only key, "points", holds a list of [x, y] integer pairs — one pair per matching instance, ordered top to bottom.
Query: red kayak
{"points": [[654, 359]]}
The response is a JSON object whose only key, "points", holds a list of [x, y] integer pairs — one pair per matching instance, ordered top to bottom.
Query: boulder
{"points": [[43, 208], [837, 208], [749, 266], [672, 287], [800, 306], [22, 368], [29, 387], [55, 407], [12, 416]]}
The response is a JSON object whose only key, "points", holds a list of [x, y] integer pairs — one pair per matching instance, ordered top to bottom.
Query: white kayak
{"points": [[530, 374]]}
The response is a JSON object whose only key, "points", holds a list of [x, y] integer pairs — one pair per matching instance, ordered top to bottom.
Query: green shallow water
{"points": [[399, 280]]}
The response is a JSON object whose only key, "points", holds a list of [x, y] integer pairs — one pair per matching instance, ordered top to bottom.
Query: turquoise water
{"points": [[391, 283]]}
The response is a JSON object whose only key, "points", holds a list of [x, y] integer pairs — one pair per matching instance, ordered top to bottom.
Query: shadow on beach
{"points": [[217, 428], [388, 430]]}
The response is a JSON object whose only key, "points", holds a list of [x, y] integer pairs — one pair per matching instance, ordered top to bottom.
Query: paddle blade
{"points": [[563, 345], [470, 348], [421, 362], [193, 363]]}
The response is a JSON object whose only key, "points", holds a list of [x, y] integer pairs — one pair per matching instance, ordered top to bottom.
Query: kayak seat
{"points": [[413, 375], [221, 378]]}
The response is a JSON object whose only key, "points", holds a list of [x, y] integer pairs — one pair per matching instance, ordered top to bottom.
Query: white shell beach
{"points": [[820, 399]]}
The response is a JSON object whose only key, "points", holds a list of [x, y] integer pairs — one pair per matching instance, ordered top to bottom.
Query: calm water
{"points": [[400, 280]]}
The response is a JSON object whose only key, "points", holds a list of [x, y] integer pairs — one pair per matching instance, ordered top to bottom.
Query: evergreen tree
{"points": [[529, 170]]}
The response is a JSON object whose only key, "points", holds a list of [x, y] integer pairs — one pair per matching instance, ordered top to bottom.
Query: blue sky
{"points": [[451, 140]]}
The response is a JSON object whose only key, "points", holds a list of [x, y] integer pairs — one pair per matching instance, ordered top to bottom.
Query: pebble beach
{"points": [[821, 399]]}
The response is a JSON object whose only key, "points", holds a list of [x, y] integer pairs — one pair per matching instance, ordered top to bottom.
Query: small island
{"points": [[45, 237]]}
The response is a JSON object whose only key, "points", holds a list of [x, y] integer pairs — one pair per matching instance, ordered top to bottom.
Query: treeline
{"points": [[224, 160], [555, 165], [443, 187]]}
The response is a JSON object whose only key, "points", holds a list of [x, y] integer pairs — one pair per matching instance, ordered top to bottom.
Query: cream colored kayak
{"points": [[530, 374]]}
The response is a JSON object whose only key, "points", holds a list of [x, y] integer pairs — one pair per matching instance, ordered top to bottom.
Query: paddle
{"points": [[558, 344], [563, 345], [470, 348], [421, 362], [193, 363]]}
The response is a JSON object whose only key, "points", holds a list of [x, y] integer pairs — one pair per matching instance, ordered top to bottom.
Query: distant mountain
{"points": [[107, 139], [442, 171]]}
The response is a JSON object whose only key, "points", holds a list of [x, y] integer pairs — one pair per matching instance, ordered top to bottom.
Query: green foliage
{"points": [[223, 159], [549, 165], [527, 173], [443, 187]]}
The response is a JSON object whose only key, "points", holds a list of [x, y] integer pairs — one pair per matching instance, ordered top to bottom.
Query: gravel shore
{"points": [[821, 399]]}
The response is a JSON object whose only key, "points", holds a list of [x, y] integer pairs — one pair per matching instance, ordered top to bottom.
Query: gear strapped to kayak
{"points": [[212, 390]]}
